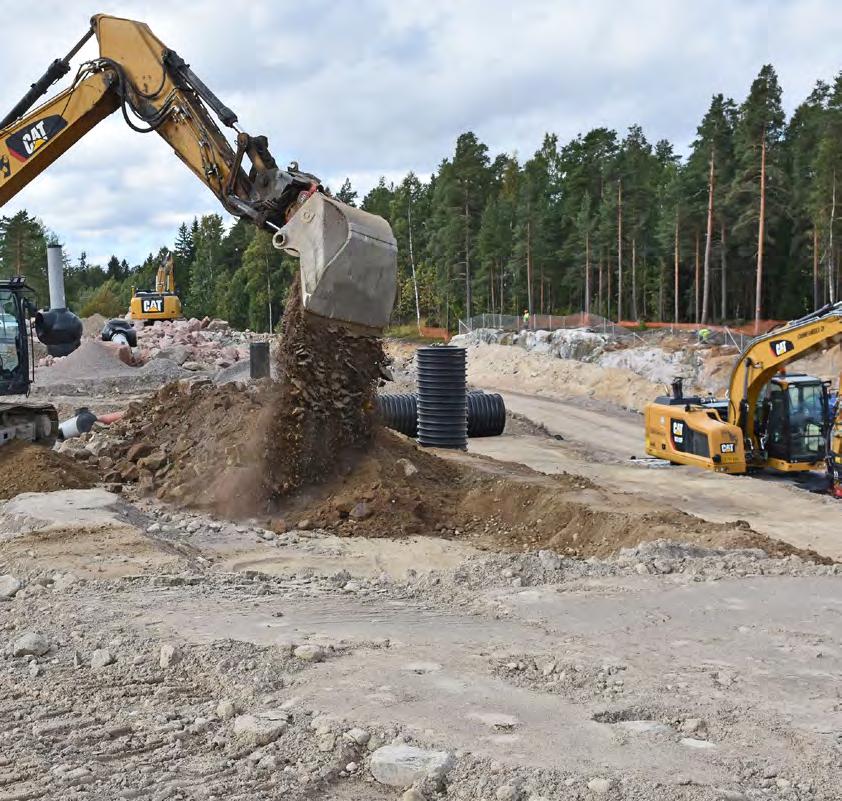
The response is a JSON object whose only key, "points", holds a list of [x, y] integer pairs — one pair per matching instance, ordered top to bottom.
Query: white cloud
{"points": [[364, 88]]}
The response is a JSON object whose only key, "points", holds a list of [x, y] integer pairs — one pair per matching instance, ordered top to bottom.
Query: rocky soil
{"points": [[398, 623]]}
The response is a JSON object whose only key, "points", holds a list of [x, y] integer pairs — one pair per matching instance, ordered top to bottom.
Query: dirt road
{"points": [[598, 443]]}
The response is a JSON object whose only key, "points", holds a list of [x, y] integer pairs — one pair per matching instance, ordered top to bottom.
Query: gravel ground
{"points": [[183, 679]]}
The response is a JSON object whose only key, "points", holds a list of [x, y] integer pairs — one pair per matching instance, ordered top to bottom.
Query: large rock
{"points": [[177, 353], [9, 587], [30, 644], [257, 730], [401, 765]]}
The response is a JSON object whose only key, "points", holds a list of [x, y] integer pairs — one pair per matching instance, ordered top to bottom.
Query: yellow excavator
{"points": [[347, 257], [348, 260], [161, 304], [770, 418]]}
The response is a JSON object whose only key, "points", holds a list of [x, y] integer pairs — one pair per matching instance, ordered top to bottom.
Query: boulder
{"points": [[402, 765]]}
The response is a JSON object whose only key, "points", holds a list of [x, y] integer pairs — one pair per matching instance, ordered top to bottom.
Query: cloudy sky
{"points": [[364, 88]]}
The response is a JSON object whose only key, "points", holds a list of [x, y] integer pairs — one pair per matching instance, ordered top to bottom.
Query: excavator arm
{"points": [[348, 257], [770, 353]]}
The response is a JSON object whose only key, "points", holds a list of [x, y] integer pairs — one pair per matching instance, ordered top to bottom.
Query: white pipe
{"points": [[55, 277], [120, 339]]}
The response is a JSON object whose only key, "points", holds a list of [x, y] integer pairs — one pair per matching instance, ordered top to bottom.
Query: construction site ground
{"points": [[572, 624]]}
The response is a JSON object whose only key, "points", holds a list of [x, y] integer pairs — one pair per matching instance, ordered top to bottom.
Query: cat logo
{"points": [[32, 138], [5, 166], [152, 305], [780, 347], [677, 432], [728, 447]]}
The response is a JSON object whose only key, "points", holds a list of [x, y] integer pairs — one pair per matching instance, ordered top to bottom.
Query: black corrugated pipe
{"points": [[442, 397], [400, 412], [486, 414]]}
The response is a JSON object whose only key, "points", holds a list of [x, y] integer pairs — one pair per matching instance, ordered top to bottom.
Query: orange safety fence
{"points": [[749, 329], [434, 333]]}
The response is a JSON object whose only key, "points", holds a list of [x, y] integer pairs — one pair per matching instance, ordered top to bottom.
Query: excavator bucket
{"points": [[348, 261]]}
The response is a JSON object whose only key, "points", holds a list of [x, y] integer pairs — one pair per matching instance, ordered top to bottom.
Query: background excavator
{"points": [[347, 257], [162, 303], [769, 419]]}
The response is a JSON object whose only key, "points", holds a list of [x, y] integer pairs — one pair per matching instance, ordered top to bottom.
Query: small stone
{"points": [[409, 469], [362, 511], [305, 525], [549, 560], [641, 568], [62, 581], [9, 587], [30, 644], [309, 653], [170, 655], [101, 658], [34, 669], [225, 709], [693, 725], [645, 727], [257, 731], [358, 736], [327, 742], [692, 742], [268, 762], [402, 765], [351, 767], [77, 776], [600, 786], [507, 792], [413, 795]]}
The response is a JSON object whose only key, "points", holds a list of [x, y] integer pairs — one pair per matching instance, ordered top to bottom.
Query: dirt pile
{"points": [[192, 445], [240, 451], [35, 468]]}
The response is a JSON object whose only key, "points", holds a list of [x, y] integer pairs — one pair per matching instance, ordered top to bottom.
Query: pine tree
{"points": [[709, 169], [758, 191], [346, 193], [23, 250], [204, 270]]}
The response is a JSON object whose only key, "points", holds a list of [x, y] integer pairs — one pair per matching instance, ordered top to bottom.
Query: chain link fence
{"points": [[720, 335]]}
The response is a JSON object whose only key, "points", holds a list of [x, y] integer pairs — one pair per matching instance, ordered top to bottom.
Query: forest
{"points": [[741, 227]]}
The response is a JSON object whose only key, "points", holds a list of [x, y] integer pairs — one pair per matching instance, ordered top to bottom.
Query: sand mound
{"points": [[92, 326], [509, 368], [34, 468]]}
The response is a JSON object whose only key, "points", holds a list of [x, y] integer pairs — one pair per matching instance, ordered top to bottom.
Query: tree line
{"points": [[742, 227]]}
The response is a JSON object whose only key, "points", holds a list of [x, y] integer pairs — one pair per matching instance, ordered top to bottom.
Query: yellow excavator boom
{"points": [[157, 91]]}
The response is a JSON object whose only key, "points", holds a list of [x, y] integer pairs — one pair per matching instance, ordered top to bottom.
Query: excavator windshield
{"points": [[9, 332], [797, 420]]}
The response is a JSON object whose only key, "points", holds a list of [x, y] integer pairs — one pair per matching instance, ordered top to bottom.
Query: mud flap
{"points": [[348, 261]]}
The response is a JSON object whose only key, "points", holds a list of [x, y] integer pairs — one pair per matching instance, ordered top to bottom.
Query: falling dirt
{"points": [[324, 401], [35, 468]]}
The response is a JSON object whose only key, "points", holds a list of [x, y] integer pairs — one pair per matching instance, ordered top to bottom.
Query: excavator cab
{"points": [[793, 419], [34, 422]]}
